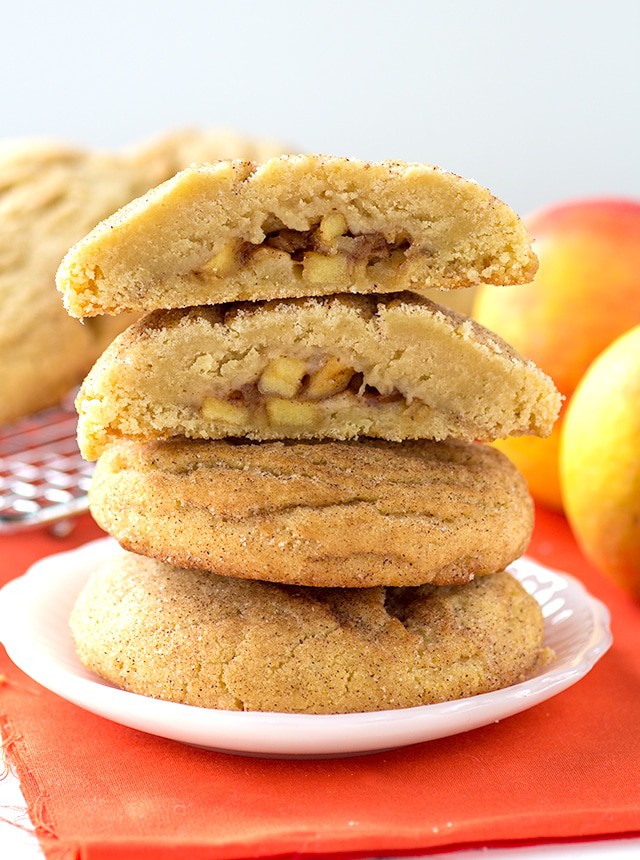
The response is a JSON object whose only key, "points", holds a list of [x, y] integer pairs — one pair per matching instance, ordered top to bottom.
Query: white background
{"points": [[538, 99]]}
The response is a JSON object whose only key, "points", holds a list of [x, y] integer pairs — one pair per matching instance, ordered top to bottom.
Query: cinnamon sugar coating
{"points": [[348, 514], [212, 641]]}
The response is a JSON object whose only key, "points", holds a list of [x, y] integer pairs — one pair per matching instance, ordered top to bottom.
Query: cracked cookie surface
{"points": [[295, 226], [393, 367], [347, 514], [212, 641]]}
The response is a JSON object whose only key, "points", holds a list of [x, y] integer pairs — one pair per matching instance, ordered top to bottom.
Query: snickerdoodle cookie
{"points": [[295, 226], [394, 367], [347, 514], [212, 641]]}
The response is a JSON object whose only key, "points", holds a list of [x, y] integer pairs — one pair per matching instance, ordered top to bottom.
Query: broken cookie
{"points": [[295, 226], [393, 367]]}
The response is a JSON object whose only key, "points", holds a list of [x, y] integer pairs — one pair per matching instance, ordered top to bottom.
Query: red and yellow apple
{"points": [[585, 294], [537, 460], [600, 461]]}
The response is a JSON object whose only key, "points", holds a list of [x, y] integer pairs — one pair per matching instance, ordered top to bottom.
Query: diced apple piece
{"points": [[332, 226], [265, 255], [397, 257], [224, 262], [320, 269], [282, 376], [332, 378], [217, 409], [292, 413]]}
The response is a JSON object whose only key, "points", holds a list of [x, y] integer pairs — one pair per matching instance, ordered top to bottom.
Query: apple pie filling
{"points": [[327, 253], [290, 391]]}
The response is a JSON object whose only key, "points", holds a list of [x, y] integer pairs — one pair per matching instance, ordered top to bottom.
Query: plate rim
{"points": [[101, 694]]}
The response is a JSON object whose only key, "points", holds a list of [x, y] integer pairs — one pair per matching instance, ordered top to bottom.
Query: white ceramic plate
{"points": [[33, 627]]}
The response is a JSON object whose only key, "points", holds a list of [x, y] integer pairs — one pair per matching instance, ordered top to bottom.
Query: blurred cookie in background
{"points": [[163, 156], [52, 194]]}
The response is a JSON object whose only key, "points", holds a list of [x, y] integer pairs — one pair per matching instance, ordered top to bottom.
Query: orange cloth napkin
{"points": [[568, 768]]}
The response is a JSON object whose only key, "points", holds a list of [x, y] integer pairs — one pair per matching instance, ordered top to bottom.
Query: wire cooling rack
{"points": [[43, 479]]}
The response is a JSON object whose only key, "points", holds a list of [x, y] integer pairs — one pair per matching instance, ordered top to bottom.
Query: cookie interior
{"points": [[295, 226], [336, 367]]}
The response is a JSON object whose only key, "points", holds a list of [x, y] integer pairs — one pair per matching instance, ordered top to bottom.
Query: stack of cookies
{"points": [[286, 441]]}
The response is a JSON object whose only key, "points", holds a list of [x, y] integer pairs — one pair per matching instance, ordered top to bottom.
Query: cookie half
{"points": [[295, 226], [338, 367], [347, 514], [211, 641]]}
